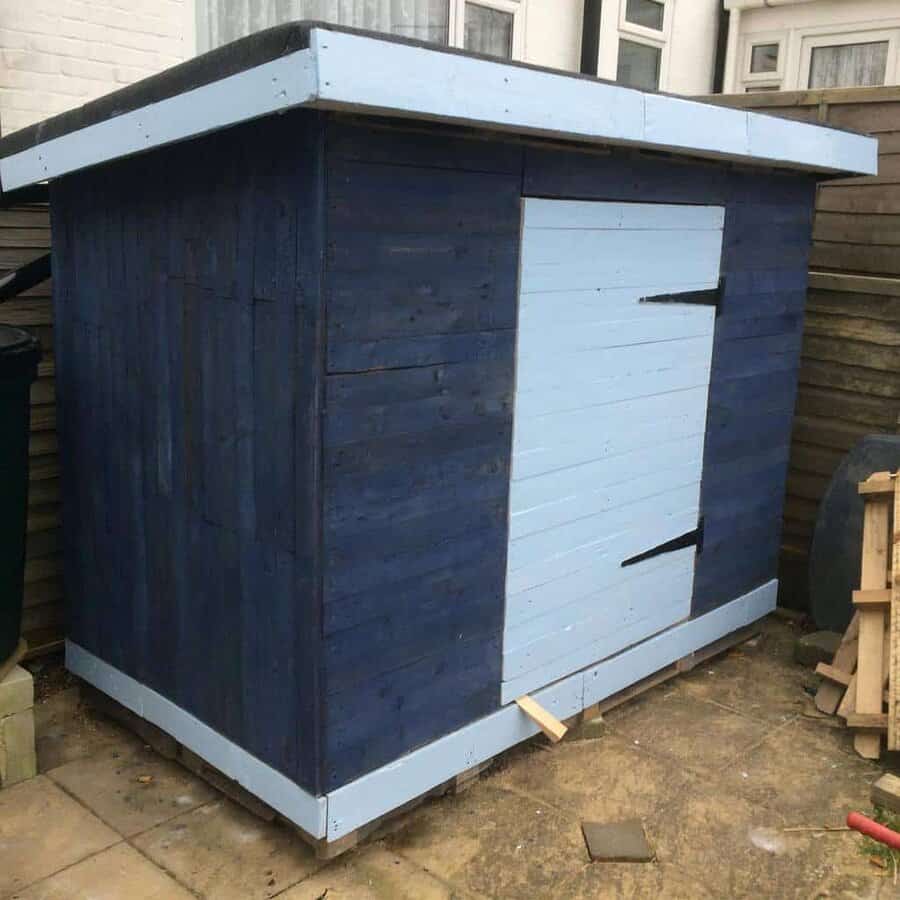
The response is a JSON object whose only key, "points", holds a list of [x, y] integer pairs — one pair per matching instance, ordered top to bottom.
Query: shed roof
{"points": [[312, 64]]}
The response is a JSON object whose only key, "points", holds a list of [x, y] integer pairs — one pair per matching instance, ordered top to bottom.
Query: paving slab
{"points": [[66, 729], [697, 734], [602, 779], [132, 788], [43, 830], [492, 842], [623, 842], [222, 851], [372, 873], [113, 874]]}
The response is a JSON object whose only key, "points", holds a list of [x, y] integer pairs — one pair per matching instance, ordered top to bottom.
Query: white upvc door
{"points": [[609, 422]]}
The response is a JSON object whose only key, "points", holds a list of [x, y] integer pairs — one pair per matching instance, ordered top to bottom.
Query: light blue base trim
{"points": [[392, 785], [273, 788], [362, 801]]}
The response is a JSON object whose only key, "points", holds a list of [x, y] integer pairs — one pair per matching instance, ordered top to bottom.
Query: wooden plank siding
{"points": [[24, 236], [187, 302], [850, 369]]}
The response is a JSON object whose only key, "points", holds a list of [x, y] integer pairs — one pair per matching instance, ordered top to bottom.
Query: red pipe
{"points": [[860, 823]]}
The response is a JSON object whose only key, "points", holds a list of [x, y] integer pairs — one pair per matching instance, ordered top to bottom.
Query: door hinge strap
{"points": [[710, 297], [689, 539]]}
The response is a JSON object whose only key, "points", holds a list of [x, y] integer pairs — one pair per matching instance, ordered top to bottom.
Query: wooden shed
{"points": [[396, 383]]}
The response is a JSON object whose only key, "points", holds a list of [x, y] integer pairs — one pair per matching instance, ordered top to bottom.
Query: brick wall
{"points": [[57, 54]]}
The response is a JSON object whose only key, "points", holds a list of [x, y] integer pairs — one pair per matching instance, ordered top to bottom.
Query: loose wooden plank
{"points": [[873, 598], [893, 661], [869, 672], [834, 674], [829, 696], [546, 721], [871, 721]]}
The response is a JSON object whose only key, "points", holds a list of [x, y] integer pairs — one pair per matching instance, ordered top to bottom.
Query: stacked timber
{"points": [[24, 236], [849, 379], [862, 683]]}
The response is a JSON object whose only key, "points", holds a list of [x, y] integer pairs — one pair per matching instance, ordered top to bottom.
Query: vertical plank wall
{"points": [[25, 236], [187, 305], [850, 369]]}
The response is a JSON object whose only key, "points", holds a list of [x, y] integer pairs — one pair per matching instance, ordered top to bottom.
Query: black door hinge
{"points": [[710, 297], [690, 539]]}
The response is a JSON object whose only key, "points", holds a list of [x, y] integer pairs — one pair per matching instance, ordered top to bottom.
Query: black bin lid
{"points": [[19, 352]]}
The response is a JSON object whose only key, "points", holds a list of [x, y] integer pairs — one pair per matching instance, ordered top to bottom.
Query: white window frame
{"points": [[518, 9], [642, 30], [650, 37], [822, 37], [761, 79]]}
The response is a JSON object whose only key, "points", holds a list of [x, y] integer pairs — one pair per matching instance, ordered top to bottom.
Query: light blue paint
{"points": [[604, 386], [273, 788]]}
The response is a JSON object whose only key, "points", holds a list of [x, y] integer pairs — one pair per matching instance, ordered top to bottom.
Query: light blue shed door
{"points": [[610, 415]]}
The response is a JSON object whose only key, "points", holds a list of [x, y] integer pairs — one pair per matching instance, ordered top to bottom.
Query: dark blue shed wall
{"points": [[423, 238], [187, 303], [286, 359]]}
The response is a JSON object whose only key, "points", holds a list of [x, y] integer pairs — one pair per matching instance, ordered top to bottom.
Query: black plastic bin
{"points": [[19, 356]]}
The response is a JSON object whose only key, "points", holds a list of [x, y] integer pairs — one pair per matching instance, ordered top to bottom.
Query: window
{"points": [[646, 13], [495, 27], [488, 30], [764, 58], [639, 65], [848, 65]]}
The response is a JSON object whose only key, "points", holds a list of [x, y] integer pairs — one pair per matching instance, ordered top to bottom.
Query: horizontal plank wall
{"points": [[25, 236], [423, 248], [187, 304], [754, 368], [850, 372]]}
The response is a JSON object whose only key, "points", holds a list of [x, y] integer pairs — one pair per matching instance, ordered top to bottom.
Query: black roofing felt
{"points": [[230, 59]]}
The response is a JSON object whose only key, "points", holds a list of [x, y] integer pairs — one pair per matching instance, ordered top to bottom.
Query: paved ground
{"points": [[718, 763]]}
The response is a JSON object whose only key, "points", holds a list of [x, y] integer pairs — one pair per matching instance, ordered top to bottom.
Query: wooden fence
{"points": [[25, 235], [850, 367]]}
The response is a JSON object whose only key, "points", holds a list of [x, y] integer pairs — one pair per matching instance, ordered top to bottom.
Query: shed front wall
{"points": [[423, 238], [303, 330]]}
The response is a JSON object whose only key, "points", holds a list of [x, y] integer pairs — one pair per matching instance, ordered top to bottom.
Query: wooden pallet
{"points": [[858, 684], [168, 747]]}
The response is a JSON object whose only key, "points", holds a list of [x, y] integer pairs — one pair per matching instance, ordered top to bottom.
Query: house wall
{"points": [[796, 26], [688, 43], [58, 54]]}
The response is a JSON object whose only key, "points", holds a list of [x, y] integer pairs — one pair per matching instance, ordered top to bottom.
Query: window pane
{"points": [[648, 13], [222, 21], [488, 31], [764, 58], [638, 65], [853, 65]]}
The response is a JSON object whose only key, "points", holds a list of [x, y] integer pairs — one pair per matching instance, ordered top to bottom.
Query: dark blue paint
{"points": [[286, 362]]}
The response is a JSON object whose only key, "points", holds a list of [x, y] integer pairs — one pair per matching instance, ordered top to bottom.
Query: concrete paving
{"points": [[717, 764]]}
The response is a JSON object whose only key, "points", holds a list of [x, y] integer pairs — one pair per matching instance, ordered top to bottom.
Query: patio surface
{"points": [[717, 762]]}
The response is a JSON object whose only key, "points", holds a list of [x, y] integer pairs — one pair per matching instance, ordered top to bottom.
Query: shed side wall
{"points": [[187, 301]]}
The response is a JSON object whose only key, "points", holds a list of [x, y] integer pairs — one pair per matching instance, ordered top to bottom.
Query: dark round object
{"points": [[19, 356], [834, 560]]}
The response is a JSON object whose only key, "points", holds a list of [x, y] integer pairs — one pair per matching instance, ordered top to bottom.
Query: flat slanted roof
{"points": [[323, 66]]}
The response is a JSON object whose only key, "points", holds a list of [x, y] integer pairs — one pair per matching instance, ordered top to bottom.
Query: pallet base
{"points": [[168, 747]]}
